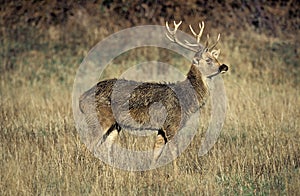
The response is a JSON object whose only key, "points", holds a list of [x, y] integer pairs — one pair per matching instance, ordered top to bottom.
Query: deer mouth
{"points": [[222, 69]]}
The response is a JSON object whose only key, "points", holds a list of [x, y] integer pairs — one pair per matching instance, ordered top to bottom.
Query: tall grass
{"points": [[258, 151]]}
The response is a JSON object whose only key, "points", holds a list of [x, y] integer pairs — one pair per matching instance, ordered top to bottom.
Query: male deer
{"points": [[134, 111]]}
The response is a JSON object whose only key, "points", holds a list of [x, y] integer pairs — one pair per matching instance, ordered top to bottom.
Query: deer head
{"points": [[206, 57]]}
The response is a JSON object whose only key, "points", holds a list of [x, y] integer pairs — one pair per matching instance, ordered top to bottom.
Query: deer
{"points": [[134, 111]]}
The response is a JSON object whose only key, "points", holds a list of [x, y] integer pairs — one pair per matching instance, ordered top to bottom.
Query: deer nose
{"points": [[223, 68]]}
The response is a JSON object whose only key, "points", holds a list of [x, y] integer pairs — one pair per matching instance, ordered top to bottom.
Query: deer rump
{"points": [[141, 106]]}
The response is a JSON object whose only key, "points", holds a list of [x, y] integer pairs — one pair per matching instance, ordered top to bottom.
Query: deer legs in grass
{"points": [[112, 133], [109, 138], [161, 141], [159, 146]]}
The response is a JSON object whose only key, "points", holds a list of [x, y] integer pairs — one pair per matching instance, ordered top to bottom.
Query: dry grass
{"points": [[258, 151]]}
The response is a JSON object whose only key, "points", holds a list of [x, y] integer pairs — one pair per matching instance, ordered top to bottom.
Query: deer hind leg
{"points": [[110, 135], [108, 138], [160, 143], [173, 149]]}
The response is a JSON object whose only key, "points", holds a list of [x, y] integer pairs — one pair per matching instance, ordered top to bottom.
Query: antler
{"points": [[201, 26], [172, 36], [214, 45]]}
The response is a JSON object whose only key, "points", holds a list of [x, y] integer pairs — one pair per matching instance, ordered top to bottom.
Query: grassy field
{"points": [[258, 151]]}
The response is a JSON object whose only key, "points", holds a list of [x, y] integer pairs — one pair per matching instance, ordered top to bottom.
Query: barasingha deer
{"points": [[132, 112]]}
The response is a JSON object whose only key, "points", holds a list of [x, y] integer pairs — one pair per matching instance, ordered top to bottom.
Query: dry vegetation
{"points": [[42, 45]]}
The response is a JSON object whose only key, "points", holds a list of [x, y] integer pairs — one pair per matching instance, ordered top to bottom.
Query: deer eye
{"points": [[208, 60]]}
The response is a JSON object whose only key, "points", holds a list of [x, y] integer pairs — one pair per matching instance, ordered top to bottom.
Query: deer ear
{"points": [[215, 53], [196, 61]]}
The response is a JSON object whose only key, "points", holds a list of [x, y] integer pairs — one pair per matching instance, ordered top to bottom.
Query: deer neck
{"points": [[194, 76]]}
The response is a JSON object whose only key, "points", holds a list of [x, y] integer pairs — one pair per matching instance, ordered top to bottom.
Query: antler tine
{"points": [[177, 25], [175, 28], [192, 30], [201, 30], [171, 35], [198, 36], [171, 39], [206, 43], [190, 44], [214, 45]]}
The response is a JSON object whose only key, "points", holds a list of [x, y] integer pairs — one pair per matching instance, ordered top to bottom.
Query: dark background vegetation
{"points": [[71, 23]]}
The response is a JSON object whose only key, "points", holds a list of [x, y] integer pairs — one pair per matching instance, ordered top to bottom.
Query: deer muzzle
{"points": [[223, 68]]}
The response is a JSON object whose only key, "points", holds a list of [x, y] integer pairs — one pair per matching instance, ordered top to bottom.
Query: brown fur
{"points": [[99, 99]]}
